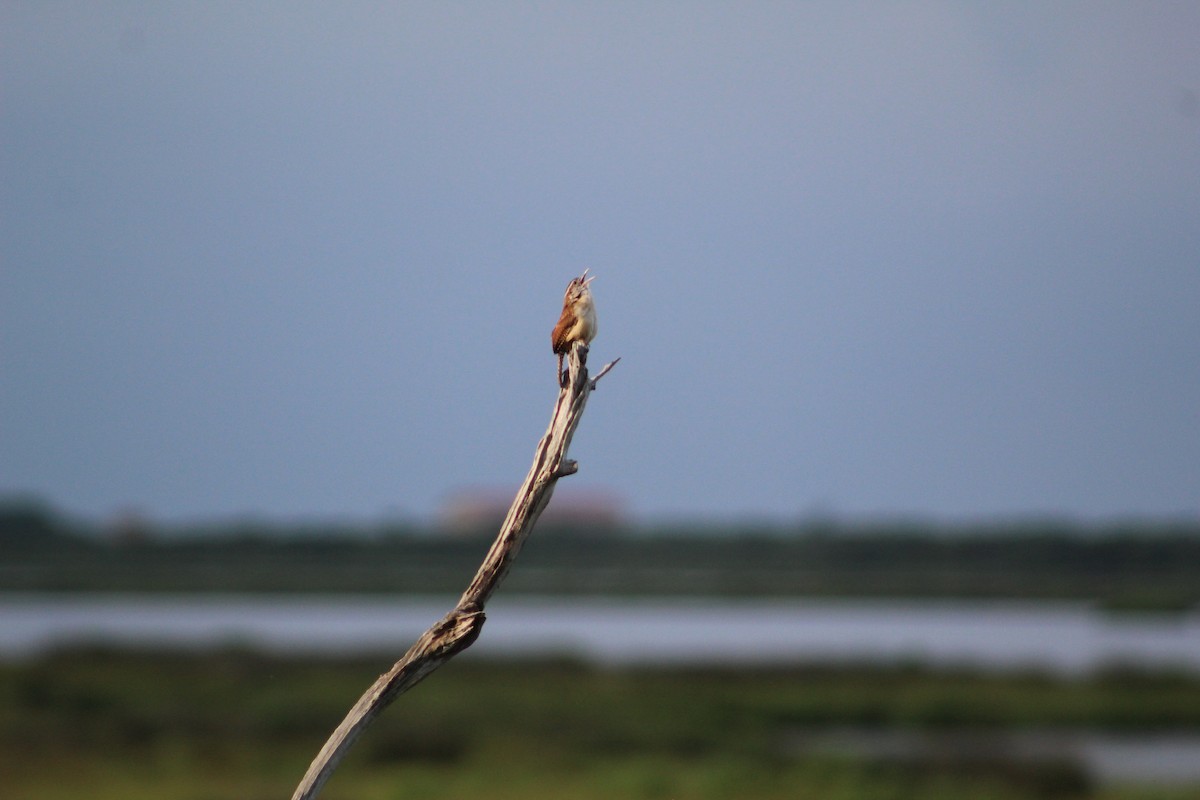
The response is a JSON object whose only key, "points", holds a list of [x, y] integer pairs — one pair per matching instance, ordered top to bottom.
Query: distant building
{"points": [[481, 512], [129, 526]]}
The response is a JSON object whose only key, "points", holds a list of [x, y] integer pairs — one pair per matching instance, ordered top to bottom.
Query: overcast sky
{"points": [[294, 259]]}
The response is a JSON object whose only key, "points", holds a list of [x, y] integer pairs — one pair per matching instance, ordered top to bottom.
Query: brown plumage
{"points": [[578, 320]]}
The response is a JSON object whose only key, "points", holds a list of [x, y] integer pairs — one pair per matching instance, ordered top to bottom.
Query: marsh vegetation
{"points": [[235, 724]]}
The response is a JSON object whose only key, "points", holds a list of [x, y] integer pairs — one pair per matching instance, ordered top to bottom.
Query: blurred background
{"points": [[894, 492]]}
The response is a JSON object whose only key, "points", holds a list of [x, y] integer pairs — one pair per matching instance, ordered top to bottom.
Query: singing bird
{"points": [[577, 322]]}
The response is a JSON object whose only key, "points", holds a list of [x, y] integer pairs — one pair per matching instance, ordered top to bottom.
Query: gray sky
{"points": [[301, 259]]}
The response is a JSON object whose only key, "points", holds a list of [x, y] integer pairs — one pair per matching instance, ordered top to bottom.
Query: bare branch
{"points": [[604, 371], [461, 627]]}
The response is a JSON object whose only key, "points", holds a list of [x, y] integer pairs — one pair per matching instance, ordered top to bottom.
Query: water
{"points": [[1058, 637], [1107, 757]]}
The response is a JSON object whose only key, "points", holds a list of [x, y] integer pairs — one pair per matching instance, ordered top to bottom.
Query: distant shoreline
{"points": [[1128, 566]]}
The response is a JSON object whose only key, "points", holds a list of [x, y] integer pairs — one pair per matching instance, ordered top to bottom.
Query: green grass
{"points": [[106, 724]]}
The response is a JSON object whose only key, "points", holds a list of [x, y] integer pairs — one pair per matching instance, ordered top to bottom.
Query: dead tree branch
{"points": [[460, 628]]}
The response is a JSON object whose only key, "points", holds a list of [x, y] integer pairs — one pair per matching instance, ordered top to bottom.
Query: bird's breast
{"points": [[587, 320]]}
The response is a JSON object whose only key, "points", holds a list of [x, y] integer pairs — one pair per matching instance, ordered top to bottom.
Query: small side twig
{"points": [[604, 371], [461, 627]]}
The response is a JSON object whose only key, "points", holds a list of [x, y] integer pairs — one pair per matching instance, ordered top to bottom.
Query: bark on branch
{"points": [[460, 628]]}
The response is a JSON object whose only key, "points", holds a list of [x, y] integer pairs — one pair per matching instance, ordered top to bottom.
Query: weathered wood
{"points": [[461, 627]]}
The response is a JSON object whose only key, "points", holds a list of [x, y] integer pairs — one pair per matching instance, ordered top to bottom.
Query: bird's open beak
{"points": [[586, 280]]}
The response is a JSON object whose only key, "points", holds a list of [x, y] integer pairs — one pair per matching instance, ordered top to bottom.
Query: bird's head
{"points": [[577, 289]]}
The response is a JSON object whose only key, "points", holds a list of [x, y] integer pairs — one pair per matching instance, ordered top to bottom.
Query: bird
{"points": [[577, 323]]}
